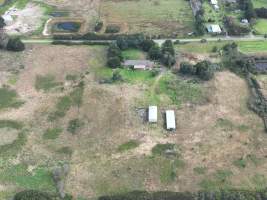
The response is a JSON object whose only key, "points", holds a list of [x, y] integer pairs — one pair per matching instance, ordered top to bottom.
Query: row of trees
{"points": [[247, 7], [261, 12], [164, 54], [203, 70]]}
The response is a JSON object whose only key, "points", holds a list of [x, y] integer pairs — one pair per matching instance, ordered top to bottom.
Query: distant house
{"points": [[214, 2], [244, 21], [214, 28], [139, 64], [152, 114], [170, 120]]}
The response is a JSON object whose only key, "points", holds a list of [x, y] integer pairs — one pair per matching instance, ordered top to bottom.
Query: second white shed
{"points": [[170, 120]]}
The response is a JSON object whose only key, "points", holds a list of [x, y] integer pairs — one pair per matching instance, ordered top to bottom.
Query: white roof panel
{"points": [[152, 114], [170, 120]]}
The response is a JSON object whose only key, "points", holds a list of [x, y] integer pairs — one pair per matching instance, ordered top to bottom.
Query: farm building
{"points": [[214, 28], [139, 64], [152, 114], [170, 120]]}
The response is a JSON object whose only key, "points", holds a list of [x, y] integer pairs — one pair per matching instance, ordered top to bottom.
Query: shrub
{"points": [[2, 22], [98, 26], [112, 29], [15, 44], [147, 45], [167, 47], [154, 53], [168, 59], [114, 62], [187, 68], [204, 70], [116, 76], [74, 125], [32, 195]]}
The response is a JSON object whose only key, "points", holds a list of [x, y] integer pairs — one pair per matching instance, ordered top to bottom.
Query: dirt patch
{"points": [[24, 21], [8, 135]]}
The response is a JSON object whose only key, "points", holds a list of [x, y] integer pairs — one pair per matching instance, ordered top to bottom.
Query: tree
{"points": [[2, 22], [199, 22], [15, 44], [147, 45], [167, 47], [114, 51], [154, 53], [168, 59], [114, 62], [187, 68], [205, 70], [32, 195]]}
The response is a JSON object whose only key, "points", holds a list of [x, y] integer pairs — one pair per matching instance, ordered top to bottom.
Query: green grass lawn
{"points": [[259, 3], [151, 17], [261, 26], [253, 46], [199, 47], [133, 54], [46, 82], [9, 99]]}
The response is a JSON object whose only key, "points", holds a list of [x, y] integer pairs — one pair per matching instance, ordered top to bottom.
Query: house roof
{"points": [[214, 2], [214, 28], [138, 62], [139, 66], [152, 113], [170, 119]]}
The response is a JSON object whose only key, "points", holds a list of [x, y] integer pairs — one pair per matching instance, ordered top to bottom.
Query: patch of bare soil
{"points": [[24, 21], [8, 135]]}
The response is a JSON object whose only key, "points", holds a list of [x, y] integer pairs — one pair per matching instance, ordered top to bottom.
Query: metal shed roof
{"points": [[153, 114], [170, 120]]}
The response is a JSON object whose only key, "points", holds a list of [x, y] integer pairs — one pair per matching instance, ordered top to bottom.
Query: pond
{"points": [[70, 27]]}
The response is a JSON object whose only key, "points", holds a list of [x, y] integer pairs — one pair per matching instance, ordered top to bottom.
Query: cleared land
{"points": [[259, 3], [168, 17], [261, 26], [99, 128]]}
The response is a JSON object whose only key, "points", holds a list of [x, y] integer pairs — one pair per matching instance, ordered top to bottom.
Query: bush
{"points": [[2, 22], [98, 26], [112, 29], [15, 44], [147, 45], [167, 47], [154, 53], [168, 59], [114, 62], [187, 68], [205, 70], [116, 76], [74, 125], [32, 195]]}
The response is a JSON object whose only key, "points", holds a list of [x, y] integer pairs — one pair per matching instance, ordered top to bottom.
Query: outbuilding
{"points": [[214, 28], [139, 67], [152, 114], [170, 120]]}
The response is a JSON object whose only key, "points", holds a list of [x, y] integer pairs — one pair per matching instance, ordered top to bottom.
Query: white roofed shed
{"points": [[152, 114], [170, 120]]}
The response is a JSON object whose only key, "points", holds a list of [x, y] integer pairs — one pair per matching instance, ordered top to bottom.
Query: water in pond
{"points": [[67, 26]]}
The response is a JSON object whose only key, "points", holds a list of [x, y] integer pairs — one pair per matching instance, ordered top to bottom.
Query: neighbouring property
{"points": [[139, 64], [152, 114], [170, 120]]}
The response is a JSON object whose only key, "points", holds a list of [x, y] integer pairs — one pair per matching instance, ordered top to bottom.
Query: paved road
{"points": [[159, 41]]}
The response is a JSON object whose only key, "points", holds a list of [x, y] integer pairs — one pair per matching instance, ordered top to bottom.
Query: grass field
{"points": [[259, 3], [151, 17], [261, 26], [199, 47], [253, 47], [101, 131]]}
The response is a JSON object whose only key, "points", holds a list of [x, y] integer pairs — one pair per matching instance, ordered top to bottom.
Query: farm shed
{"points": [[214, 28], [139, 64], [152, 114], [170, 120]]}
